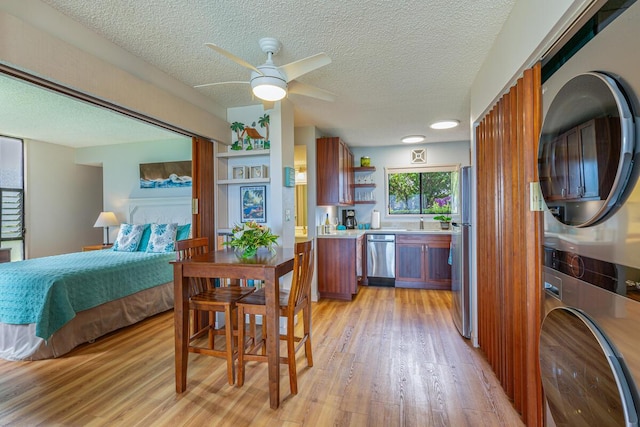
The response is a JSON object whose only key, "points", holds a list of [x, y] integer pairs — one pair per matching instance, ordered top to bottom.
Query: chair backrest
{"points": [[189, 248], [186, 249], [302, 274]]}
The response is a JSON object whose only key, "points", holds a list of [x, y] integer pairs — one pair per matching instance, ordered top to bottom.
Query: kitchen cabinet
{"points": [[573, 165], [334, 173], [422, 261], [339, 266]]}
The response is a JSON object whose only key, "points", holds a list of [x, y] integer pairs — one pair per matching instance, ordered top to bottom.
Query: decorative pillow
{"points": [[183, 232], [128, 237], [163, 238], [144, 240]]}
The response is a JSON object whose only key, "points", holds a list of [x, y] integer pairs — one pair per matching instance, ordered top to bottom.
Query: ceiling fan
{"points": [[272, 83]]}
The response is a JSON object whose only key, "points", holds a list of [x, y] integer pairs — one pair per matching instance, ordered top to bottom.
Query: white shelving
{"points": [[243, 153], [256, 163]]}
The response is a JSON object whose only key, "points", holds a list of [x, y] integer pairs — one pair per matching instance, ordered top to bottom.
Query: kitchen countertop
{"points": [[354, 234]]}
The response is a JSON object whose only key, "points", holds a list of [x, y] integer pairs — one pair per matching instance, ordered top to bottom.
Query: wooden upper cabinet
{"points": [[334, 173]]}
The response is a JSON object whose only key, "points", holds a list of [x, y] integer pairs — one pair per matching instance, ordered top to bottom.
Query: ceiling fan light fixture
{"points": [[268, 88], [445, 124], [412, 139]]}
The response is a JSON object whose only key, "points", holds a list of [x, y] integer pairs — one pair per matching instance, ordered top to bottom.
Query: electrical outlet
{"points": [[287, 214]]}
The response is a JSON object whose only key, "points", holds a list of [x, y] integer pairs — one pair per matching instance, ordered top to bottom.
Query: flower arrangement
{"points": [[250, 236]]}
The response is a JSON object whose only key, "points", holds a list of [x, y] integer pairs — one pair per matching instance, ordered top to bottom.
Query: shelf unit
{"points": [[368, 185], [228, 188]]}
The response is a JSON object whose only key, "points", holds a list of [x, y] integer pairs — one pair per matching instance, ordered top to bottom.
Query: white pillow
{"points": [[128, 237], [163, 238]]}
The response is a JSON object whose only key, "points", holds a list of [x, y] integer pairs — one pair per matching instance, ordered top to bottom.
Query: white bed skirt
{"points": [[19, 342]]}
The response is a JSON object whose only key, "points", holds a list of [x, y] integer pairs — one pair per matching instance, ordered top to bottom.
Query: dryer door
{"points": [[587, 145], [583, 377]]}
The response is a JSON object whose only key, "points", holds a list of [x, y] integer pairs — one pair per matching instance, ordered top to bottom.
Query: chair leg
{"points": [[306, 321], [212, 326], [228, 329], [241, 345], [291, 355]]}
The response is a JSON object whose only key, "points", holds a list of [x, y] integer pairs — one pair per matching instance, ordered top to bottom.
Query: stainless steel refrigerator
{"points": [[461, 255]]}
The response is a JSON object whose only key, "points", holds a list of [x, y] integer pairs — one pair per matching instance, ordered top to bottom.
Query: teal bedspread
{"points": [[50, 291]]}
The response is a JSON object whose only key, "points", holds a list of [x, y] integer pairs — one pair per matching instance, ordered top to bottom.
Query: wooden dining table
{"points": [[266, 266]]}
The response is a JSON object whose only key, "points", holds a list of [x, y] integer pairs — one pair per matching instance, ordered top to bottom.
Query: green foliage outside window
{"points": [[420, 193]]}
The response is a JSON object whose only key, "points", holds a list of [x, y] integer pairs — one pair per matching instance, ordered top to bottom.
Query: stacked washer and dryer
{"points": [[589, 162]]}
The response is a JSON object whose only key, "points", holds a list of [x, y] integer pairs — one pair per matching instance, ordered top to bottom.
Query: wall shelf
{"points": [[243, 153], [364, 169], [244, 181], [370, 185], [364, 202]]}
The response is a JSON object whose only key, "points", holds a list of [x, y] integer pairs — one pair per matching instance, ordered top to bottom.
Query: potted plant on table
{"points": [[445, 221], [250, 236]]}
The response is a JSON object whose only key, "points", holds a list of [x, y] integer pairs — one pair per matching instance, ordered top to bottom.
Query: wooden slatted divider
{"points": [[508, 244]]}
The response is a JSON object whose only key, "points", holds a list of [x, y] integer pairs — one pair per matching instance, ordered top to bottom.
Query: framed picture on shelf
{"points": [[259, 171], [240, 172], [253, 203]]}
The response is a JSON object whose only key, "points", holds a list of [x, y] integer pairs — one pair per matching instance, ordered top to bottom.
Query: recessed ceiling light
{"points": [[445, 124], [412, 139]]}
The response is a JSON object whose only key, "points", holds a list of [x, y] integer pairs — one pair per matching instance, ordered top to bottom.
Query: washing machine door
{"points": [[586, 151], [585, 381]]}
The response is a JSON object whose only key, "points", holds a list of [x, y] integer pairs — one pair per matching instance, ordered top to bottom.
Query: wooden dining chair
{"points": [[297, 299], [205, 300]]}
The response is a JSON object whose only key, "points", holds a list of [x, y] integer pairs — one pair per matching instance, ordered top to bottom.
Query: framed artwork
{"points": [[240, 172], [165, 174], [253, 202]]}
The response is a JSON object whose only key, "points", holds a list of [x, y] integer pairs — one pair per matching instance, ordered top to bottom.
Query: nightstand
{"points": [[96, 247], [5, 254]]}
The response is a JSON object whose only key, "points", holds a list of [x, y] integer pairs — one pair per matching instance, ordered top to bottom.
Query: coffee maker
{"points": [[349, 218]]}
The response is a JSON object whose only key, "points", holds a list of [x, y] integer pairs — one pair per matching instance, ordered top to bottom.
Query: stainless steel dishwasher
{"points": [[381, 259]]}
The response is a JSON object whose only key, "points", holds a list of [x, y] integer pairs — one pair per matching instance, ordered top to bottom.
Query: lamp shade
{"points": [[270, 86], [106, 219]]}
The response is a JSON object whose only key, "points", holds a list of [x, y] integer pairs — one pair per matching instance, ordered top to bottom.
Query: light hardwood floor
{"points": [[392, 357]]}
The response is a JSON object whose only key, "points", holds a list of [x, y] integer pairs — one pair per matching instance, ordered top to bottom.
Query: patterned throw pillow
{"points": [[128, 237], [163, 238]]}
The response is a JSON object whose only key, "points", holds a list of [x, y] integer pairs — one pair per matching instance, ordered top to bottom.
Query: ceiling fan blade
{"points": [[232, 57], [295, 69], [221, 83], [311, 91]]}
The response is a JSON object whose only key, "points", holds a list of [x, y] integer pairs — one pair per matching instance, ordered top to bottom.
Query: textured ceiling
{"points": [[397, 66]]}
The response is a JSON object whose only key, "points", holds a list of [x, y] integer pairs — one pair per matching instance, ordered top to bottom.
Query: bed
{"points": [[50, 305]]}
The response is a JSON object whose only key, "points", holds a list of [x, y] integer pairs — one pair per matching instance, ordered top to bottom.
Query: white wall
{"points": [[443, 153], [120, 165], [62, 201]]}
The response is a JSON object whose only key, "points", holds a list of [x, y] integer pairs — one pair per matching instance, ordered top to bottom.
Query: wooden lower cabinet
{"points": [[422, 261], [338, 268]]}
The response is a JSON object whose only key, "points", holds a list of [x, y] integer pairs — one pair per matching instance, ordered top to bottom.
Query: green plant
{"points": [[442, 218], [250, 236]]}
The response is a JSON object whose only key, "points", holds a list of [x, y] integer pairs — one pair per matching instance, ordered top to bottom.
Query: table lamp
{"points": [[106, 220]]}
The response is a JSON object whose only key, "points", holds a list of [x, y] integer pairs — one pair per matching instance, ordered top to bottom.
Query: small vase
{"points": [[444, 225], [246, 252]]}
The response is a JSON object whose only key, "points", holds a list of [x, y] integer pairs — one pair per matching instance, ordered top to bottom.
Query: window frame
{"points": [[418, 169]]}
